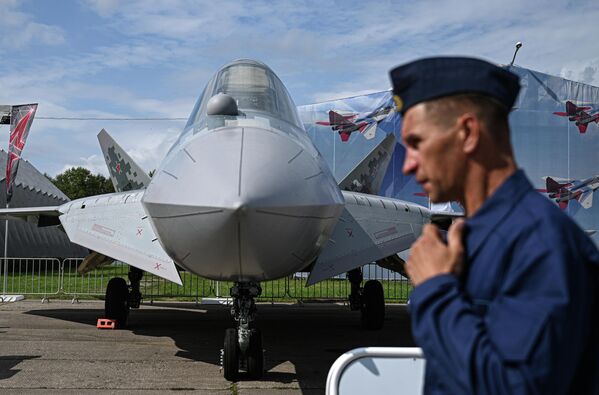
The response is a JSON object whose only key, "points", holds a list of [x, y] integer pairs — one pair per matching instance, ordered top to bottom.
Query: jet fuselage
{"points": [[244, 197]]}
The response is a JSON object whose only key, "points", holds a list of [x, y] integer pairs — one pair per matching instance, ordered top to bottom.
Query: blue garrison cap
{"points": [[433, 78]]}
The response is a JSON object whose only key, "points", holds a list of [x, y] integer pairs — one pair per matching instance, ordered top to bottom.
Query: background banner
{"points": [[20, 122], [555, 134]]}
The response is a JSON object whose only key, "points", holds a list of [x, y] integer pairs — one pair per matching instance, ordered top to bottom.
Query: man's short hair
{"points": [[492, 113]]}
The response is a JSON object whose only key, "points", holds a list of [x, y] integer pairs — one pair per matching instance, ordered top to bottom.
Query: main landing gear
{"points": [[120, 297], [370, 300], [243, 345]]}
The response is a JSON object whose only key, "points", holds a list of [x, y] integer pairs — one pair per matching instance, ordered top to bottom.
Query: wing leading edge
{"points": [[114, 225], [370, 228]]}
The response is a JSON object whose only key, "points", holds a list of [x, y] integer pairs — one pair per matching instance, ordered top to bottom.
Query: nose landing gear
{"points": [[243, 345]]}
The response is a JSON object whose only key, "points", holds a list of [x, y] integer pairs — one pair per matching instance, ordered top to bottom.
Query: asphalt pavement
{"points": [[174, 347]]}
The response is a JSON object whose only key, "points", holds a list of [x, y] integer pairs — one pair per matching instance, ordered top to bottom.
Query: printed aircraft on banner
{"points": [[579, 115], [345, 123], [564, 190], [243, 195]]}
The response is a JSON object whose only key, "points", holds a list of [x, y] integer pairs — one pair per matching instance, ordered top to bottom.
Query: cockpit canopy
{"points": [[254, 87]]}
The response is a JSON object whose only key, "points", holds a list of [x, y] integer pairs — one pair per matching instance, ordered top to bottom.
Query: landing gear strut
{"points": [[135, 276], [370, 300], [243, 345]]}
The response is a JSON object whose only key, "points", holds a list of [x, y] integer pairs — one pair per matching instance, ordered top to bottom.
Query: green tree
{"points": [[78, 182]]}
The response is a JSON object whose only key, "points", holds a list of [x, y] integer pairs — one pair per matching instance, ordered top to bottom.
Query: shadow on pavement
{"points": [[311, 337], [7, 363]]}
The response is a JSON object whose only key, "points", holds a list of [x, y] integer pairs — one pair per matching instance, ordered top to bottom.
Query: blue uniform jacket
{"points": [[523, 316]]}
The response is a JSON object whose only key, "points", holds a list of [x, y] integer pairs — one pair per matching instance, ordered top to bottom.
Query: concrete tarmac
{"points": [[175, 347]]}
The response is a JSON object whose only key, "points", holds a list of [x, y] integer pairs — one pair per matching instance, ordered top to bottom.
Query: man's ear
{"points": [[471, 132]]}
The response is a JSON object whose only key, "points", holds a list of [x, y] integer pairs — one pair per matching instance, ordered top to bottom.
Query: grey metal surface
{"points": [[251, 204], [117, 226], [370, 228]]}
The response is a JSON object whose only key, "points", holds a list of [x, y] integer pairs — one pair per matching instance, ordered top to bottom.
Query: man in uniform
{"points": [[509, 305]]}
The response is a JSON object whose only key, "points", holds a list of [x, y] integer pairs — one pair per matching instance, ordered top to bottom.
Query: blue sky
{"points": [[104, 58]]}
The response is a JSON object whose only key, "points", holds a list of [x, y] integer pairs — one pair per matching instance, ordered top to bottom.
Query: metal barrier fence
{"points": [[48, 277]]}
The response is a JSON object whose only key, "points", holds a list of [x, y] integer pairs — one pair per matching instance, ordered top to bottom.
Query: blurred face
{"points": [[434, 154]]}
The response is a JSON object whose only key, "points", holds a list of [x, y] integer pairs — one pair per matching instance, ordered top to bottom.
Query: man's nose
{"points": [[409, 164]]}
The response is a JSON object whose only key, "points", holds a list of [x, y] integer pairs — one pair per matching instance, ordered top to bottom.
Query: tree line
{"points": [[79, 182]]}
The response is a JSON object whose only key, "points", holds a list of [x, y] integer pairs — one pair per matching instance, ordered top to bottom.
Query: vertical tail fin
{"points": [[125, 174], [367, 176], [552, 185]]}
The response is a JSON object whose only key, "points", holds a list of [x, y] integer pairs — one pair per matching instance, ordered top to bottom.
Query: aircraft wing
{"points": [[34, 215], [114, 225], [369, 229]]}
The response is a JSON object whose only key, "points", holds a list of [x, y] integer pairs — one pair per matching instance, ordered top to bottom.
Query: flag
{"points": [[20, 121]]}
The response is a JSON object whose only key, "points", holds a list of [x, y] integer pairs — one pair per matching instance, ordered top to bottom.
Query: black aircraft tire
{"points": [[116, 305], [373, 305], [231, 355], [255, 358]]}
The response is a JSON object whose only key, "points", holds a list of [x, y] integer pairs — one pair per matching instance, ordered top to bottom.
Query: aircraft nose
{"points": [[243, 204]]}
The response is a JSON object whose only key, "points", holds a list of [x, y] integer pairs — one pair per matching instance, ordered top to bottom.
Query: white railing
{"points": [[377, 370]]}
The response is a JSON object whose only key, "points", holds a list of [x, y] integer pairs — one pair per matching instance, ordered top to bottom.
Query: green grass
{"points": [[47, 280]]}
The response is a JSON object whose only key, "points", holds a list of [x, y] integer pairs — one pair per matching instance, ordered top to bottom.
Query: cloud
{"points": [[19, 30], [152, 59], [588, 75]]}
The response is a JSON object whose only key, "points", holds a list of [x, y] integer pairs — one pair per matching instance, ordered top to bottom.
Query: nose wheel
{"points": [[242, 348]]}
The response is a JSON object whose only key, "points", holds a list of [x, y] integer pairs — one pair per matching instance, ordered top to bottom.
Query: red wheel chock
{"points": [[106, 323]]}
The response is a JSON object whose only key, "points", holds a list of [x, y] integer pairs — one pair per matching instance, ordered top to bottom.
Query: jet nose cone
{"points": [[243, 204]]}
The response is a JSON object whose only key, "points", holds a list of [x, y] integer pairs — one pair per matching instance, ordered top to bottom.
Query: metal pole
{"points": [[518, 46], [4, 286]]}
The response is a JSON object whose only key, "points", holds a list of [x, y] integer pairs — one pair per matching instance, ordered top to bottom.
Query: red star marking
{"points": [[118, 168], [158, 266]]}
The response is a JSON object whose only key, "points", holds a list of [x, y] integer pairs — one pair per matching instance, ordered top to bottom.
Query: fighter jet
{"points": [[579, 116], [347, 123], [563, 190], [243, 195]]}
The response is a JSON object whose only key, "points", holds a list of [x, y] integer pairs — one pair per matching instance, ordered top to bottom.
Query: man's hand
{"points": [[430, 256]]}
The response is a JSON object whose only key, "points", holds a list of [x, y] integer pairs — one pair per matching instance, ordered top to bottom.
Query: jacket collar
{"points": [[494, 210]]}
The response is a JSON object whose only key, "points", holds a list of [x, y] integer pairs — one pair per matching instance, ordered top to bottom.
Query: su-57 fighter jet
{"points": [[243, 195]]}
